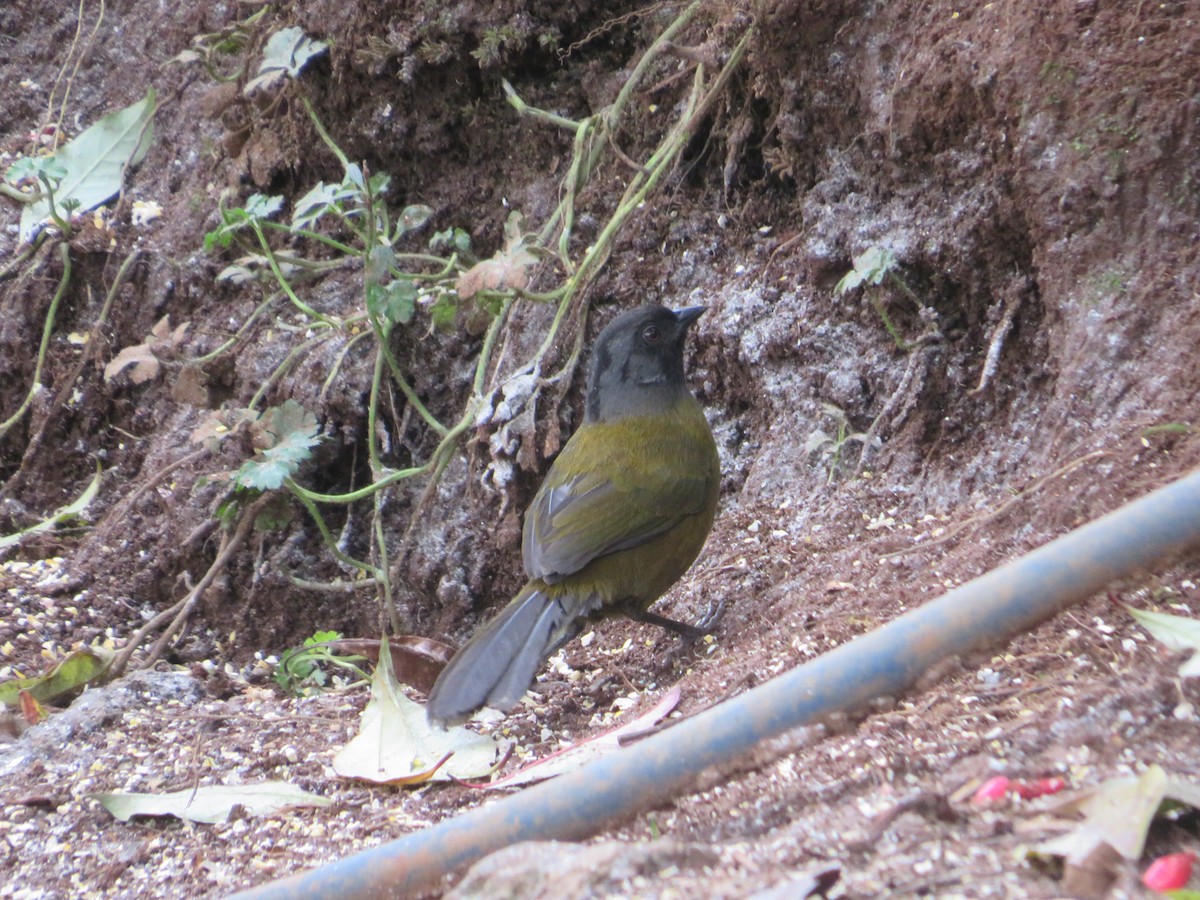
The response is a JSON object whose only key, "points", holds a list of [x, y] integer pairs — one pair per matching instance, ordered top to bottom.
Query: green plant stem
{"points": [[525, 109], [613, 113], [329, 142], [586, 156], [574, 181], [642, 183], [15, 193], [256, 225], [64, 226], [325, 239], [597, 255], [19, 260], [314, 265], [448, 266], [905, 289], [548, 297], [887, 323], [47, 330], [241, 332], [382, 335], [485, 355], [337, 363], [280, 369], [67, 385], [410, 395], [373, 418], [442, 454], [377, 473], [363, 492], [306, 499], [384, 576]]}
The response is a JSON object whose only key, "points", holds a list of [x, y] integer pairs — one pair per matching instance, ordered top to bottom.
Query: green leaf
{"points": [[287, 52], [95, 163], [37, 169], [354, 177], [381, 182], [320, 200], [260, 206], [413, 217], [454, 239], [379, 264], [869, 268], [396, 301], [443, 311], [285, 435], [227, 511], [64, 513], [275, 515], [1178, 633], [322, 637], [80, 667], [299, 670], [212, 803]]}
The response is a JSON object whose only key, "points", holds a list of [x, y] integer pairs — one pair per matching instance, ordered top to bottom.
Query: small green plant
{"points": [[496, 45], [223, 53], [82, 173], [44, 174], [347, 226], [870, 269], [1111, 281], [1108, 284], [1169, 428], [287, 434], [832, 446], [305, 670]]}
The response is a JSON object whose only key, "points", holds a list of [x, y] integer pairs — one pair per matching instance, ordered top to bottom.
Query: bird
{"points": [[623, 512]]}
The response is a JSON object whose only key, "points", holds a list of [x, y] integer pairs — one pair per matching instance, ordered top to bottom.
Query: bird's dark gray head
{"points": [[638, 361]]}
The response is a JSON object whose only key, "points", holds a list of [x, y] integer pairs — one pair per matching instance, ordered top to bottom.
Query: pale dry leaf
{"points": [[508, 269], [161, 328], [143, 357], [146, 366], [397, 745], [211, 803]]}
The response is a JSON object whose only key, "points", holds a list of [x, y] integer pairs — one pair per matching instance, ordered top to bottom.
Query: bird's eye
{"points": [[651, 334]]}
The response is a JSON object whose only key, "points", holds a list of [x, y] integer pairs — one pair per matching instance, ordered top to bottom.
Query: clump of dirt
{"points": [[1030, 169]]}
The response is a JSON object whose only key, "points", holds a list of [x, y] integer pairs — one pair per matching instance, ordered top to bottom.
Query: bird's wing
{"points": [[586, 511]]}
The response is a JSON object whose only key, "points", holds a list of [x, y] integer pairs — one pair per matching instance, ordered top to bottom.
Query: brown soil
{"points": [[1034, 168]]}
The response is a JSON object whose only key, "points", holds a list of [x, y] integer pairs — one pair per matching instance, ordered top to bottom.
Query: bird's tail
{"points": [[497, 665]]}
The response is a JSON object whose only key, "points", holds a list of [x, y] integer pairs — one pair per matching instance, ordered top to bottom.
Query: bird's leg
{"points": [[689, 633]]}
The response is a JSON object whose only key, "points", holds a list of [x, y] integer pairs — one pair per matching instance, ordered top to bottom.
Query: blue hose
{"points": [[988, 611]]}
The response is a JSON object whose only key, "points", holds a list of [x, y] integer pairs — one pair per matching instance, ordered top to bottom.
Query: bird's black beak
{"points": [[689, 315]]}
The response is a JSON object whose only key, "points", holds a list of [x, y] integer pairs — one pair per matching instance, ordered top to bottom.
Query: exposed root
{"points": [[179, 612]]}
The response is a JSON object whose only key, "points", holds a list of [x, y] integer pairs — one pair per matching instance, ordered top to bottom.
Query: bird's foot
{"points": [[711, 617], [687, 632]]}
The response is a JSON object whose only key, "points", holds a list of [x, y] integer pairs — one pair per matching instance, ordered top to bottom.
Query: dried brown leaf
{"points": [[146, 366]]}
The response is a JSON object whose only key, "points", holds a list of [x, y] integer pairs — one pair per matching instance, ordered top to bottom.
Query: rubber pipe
{"points": [[983, 613]]}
